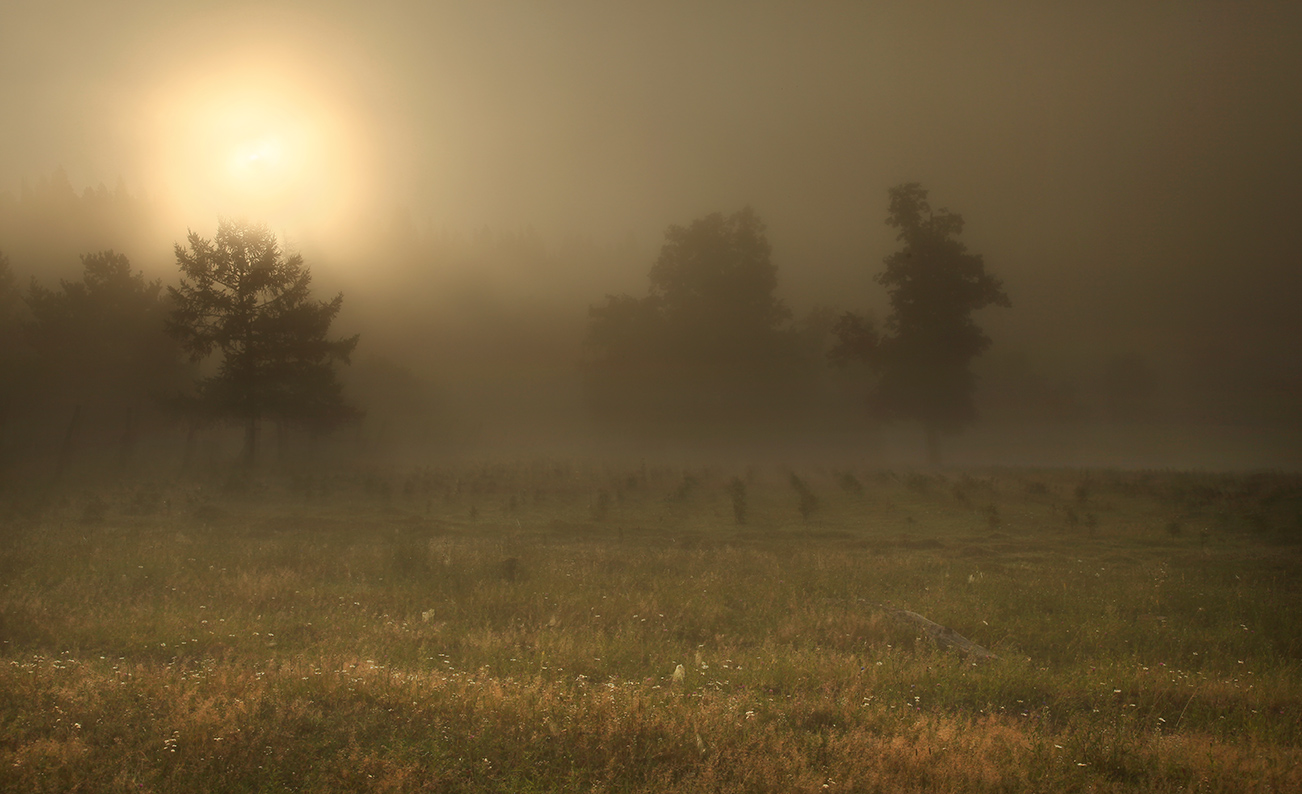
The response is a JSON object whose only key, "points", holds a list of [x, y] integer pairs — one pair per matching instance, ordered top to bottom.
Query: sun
{"points": [[263, 143], [262, 152], [258, 164]]}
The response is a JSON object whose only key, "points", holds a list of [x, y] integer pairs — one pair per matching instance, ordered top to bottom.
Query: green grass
{"points": [[517, 628]]}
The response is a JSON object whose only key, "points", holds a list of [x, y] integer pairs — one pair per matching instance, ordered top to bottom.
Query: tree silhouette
{"points": [[49, 223], [241, 297], [11, 307], [104, 333], [709, 343], [99, 346], [12, 349], [924, 358]]}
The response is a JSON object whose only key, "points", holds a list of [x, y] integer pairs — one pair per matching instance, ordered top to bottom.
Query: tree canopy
{"points": [[242, 298], [10, 323], [100, 339], [709, 342], [95, 351], [12, 352], [923, 359]]}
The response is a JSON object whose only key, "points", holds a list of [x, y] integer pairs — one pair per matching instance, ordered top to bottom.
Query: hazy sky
{"points": [[1131, 169]]}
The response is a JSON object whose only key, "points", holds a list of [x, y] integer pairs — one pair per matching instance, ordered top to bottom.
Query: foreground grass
{"points": [[520, 628]]}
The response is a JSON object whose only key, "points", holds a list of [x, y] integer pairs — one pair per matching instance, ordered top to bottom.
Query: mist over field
{"points": [[475, 178], [656, 398]]}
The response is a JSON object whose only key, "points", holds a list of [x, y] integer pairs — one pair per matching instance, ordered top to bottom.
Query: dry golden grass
{"points": [[280, 642]]}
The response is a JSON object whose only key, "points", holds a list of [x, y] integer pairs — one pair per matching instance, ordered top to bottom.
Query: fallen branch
{"points": [[944, 636]]}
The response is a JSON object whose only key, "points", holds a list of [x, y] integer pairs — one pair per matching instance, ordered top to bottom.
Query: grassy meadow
{"points": [[555, 626]]}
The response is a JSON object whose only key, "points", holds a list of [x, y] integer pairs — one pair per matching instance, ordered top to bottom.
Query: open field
{"points": [[518, 628]]}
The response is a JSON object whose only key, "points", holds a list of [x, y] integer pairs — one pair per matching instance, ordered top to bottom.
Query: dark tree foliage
{"points": [[717, 274], [240, 297], [11, 307], [100, 339], [856, 340], [710, 342], [12, 348], [98, 355], [923, 359], [403, 409]]}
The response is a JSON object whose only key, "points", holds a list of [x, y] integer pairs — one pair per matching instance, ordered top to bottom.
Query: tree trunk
{"points": [[933, 446]]}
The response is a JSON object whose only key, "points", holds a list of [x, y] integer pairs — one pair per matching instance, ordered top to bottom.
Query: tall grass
{"points": [[517, 628]]}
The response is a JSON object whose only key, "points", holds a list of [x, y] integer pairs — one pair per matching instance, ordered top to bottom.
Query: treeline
{"points": [[47, 224], [711, 349], [113, 358], [86, 362], [98, 367]]}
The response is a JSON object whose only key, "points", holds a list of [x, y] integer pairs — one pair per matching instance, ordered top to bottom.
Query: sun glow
{"points": [[262, 143], [258, 161]]}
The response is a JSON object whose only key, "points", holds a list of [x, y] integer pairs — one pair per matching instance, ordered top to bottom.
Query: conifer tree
{"points": [[243, 299]]}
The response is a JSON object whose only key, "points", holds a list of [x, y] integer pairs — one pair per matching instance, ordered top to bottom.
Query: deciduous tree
{"points": [[710, 343], [99, 348], [924, 358]]}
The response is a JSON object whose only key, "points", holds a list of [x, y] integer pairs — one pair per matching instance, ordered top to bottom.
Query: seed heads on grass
{"points": [[591, 701]]}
